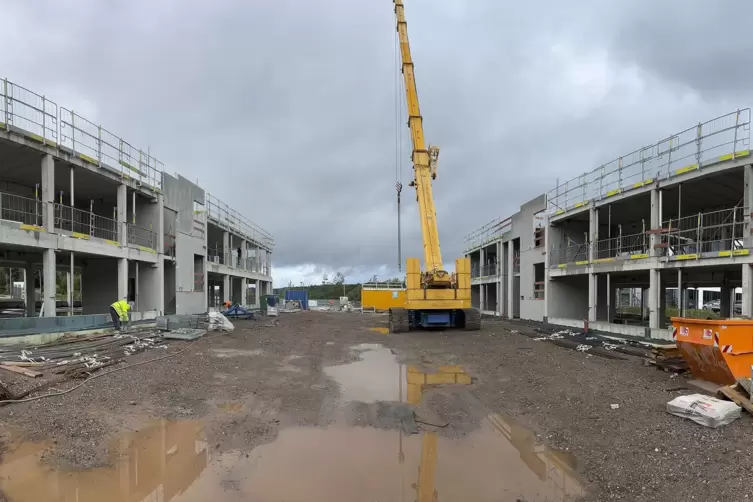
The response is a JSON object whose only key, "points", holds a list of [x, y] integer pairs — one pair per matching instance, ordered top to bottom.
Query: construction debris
{"points": [[668, 358], [738, 395]]}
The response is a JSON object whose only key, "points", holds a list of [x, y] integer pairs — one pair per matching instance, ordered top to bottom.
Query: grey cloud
{"points": [[286, 109]]}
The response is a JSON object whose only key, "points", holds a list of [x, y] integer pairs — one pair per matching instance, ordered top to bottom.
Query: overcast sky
{"points": [[286, 109]]}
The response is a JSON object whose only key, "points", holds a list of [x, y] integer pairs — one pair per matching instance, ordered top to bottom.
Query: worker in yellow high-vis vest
{"points": [[119, 312]]}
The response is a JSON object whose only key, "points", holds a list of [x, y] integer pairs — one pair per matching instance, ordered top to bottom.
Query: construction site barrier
{"points": [[720, 351]]}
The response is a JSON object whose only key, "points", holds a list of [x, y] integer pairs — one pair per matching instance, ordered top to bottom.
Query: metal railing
{"points": [[28, 112], [38, 118], [722, 138], [21, 209], [224, 216], [85, 223], [714, 231], [487, 233], [139, 236], [169, 240], [622, 245], [573, 253], [217, 255], [487, 270], [383, 285]]}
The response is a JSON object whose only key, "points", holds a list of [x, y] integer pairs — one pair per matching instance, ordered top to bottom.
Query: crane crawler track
{"points": [[472, 319], [399, 320]]}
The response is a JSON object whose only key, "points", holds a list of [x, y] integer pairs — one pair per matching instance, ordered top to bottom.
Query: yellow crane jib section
{"points": [[424, 163]]}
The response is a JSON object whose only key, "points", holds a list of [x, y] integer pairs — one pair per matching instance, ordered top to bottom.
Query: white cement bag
{"points": [[218, 322], [704, 410]]}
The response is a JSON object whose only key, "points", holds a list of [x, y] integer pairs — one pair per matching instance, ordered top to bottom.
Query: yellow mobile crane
{"points": [[434, 297]]}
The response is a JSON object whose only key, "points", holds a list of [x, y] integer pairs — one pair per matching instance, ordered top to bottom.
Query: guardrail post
{"points": [[7, 104], [44, 122], [699, 132], [734, 143], [99, 145]]}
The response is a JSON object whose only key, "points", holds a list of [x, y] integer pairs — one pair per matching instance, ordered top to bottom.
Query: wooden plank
{"points": [[21, 371], [737, 397]]}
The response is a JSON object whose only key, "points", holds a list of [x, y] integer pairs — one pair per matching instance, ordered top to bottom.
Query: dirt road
{"points": [[327, 407]]}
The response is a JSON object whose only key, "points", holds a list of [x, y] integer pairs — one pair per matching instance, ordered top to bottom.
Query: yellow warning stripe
{"points": [[35, 137], [729, 156], [88, 159], [687, 169], [643, 183], [614, 192], [581, 204], [559, 211], [33, 228], [79, 235], [114, 243], [147, 250], [736, 252], [638, 256], [691, 256], [604, 260], [582, 262], [562, 265]]}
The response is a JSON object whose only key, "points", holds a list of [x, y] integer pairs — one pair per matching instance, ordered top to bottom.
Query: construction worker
{"points": [[227, 304], [119, 312]]}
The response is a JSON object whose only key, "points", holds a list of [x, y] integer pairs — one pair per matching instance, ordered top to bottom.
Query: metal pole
{"points": [[7, 104], [734, 144], [399, 188], [133, 211], [680, 302]]}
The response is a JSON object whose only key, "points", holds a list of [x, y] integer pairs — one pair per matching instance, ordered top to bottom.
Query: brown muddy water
{"points": [[171, 461]]}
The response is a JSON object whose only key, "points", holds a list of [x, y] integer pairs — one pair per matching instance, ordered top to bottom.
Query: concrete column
{"points": [[48, 192], [748, 204], [122, 213], [656, 217], [159, 227], [593, 232], [227, 256], [122, 278], [510, 279], [49, 286], [747, 290], [244, 292], [593, 292], [258, 293], [227, 294], [680, 295], [31, 296], [654, 299], [725, 302], [160, 305], [612, 308]]}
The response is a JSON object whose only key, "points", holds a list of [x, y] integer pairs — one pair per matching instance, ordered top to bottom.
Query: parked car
{"points": [[713, 305]]}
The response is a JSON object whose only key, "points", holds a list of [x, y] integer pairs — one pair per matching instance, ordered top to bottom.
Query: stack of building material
{"points": [[74, 355], [668, 358]]}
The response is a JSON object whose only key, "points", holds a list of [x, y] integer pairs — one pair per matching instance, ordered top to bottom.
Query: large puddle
{"points": [[169, 462]]}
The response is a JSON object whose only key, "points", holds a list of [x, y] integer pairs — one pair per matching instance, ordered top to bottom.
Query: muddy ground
{"points": [[272, 379]]}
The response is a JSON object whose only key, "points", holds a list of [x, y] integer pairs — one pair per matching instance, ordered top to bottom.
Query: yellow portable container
{"points": [[382, 297]]}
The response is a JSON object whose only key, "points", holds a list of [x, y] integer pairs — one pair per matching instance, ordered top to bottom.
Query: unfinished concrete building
{"points": [[86, 218], [662, 231], [508, 263]]}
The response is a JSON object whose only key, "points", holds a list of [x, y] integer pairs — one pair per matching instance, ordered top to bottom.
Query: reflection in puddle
{"points": [[498, 462], [156, 464]]}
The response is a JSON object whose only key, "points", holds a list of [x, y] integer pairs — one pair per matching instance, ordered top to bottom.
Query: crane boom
{"points": [[424, 160], [434, 298]]}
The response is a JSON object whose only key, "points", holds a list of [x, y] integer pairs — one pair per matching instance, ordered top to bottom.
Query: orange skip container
{"points": [[720, 351]]}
